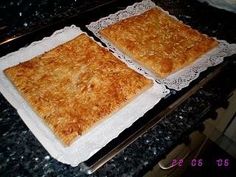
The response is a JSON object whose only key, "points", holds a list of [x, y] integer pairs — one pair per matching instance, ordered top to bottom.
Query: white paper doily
{"points": [[177, 80], [97, 137]]}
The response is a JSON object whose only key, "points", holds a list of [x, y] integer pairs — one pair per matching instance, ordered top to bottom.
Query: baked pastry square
{"points": [[158, 42], [76, 85]]}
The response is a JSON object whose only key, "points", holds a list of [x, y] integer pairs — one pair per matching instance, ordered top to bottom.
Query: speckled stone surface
{"points": [[19, 16], [22, 155]]}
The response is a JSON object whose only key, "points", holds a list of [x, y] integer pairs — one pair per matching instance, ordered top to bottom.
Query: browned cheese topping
{"points": [[75, 85]]}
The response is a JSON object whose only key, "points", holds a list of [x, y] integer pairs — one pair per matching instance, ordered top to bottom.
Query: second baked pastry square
{"points": [[158, 42]]}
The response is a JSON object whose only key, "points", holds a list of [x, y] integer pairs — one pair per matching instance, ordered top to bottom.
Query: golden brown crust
{"points": [[158, 41], [76, 85]]}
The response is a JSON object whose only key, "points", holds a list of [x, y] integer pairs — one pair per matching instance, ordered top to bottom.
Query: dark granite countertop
{"points": [[20, 152]]}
